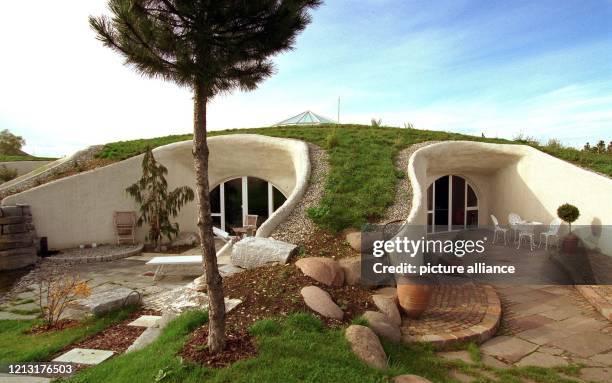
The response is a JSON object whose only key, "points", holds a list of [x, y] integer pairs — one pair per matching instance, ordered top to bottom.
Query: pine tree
{"points": [[209, 47], [157, 204]]}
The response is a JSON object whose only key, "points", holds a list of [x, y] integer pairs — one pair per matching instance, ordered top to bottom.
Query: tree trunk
{"points": [[216, 310]]}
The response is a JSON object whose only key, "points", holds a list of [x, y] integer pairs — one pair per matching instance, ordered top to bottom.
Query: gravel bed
{"points": [[400, 209], [297, 228]]}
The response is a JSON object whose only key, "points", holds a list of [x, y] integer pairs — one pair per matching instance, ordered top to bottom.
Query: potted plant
{"points": [[569, 213]]}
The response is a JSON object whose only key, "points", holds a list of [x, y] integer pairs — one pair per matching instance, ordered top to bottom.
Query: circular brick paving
{"points": [[456, 314]]}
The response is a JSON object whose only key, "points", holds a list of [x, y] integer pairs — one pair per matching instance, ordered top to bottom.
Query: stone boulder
{"points": [[354, 240], [253, 252], [323, 270], [352, 270], [389, 292], [320, 301], [103, 302], [388, 306], [381, 325], [366, 346], [409, 378]]}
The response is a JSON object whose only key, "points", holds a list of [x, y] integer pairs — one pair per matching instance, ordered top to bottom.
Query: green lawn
{"points": [[9, 157], [362, 180], [18, 346], [297, 349]]}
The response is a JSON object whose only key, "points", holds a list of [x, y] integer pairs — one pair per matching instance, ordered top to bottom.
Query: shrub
{"points": [[376, 123], [408, 125], [521, 138], [332, 140], [554, 143], [7, 174], [157, 204], [568, 213], [56, 292]]}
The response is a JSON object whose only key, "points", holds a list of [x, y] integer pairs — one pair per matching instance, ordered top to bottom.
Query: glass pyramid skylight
{"points": [[306, 118]]}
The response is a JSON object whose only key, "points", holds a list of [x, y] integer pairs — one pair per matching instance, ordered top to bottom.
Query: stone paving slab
{"points": [[145, 321], [585, 344], [508, 348], [84, 356], [541, 359], [10, 378]]}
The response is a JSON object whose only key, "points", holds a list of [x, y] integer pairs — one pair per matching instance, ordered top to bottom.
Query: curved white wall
{"points": [[516, 178], [78, 209]]}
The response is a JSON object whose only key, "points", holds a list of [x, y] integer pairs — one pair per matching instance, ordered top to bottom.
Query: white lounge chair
{"points": [[514, 220], [498, 229], [553, 231], [190, 260]]}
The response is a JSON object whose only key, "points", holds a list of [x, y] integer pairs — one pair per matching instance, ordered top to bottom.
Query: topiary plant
{"points": [[568, 213]]}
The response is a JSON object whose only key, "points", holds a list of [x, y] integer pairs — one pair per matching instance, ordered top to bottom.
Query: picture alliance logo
{"points": [[411, 247]]}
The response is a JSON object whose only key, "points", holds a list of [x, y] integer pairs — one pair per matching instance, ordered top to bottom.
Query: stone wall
{"points": [[17, 237]]}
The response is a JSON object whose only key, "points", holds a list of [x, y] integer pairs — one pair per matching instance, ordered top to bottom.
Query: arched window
{"points": [[232, 200], [452, 204]]}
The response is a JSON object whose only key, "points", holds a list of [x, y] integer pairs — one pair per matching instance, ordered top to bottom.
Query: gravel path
{"points": [[400, 209], [298, 227]]}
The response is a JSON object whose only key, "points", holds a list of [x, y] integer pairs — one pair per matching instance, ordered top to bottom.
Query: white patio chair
{"points": [[513, 220], [498, 229], [525, 231], [553, 231]]}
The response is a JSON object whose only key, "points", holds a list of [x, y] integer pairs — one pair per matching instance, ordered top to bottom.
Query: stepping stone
{"points": [[320, 301], [103, 302], [11, 316], [145, 321], [151, 333], [585, 344], [366, 346], [508, 348], [456, 355], [84, 356], [541, 359], [605, 359], [490, 361], [595, 374], [12, 378], [409, 378]]}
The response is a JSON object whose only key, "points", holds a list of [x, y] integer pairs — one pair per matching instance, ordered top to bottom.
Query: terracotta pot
{"points": [[570, 243], [413, 299]]}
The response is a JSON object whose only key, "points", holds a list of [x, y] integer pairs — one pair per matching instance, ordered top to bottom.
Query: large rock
{"points": [[354, 240], [253, 252], [323, 270], [352, 270], [320, 301], [103, 302], [388, 306], [381, 325], [366, 346], [409, 378]]}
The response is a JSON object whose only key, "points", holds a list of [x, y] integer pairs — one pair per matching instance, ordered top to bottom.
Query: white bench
{"points": [[190, 260]]}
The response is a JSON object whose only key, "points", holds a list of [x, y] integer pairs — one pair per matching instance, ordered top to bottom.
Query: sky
{"points": [[538, 68]]}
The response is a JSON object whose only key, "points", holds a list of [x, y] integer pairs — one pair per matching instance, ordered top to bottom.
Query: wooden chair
{"points": [[125, 226], [249, 226]]}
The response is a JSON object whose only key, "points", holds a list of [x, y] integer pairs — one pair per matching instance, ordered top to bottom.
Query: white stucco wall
{"points": [[516, 178], [78, 209]]}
